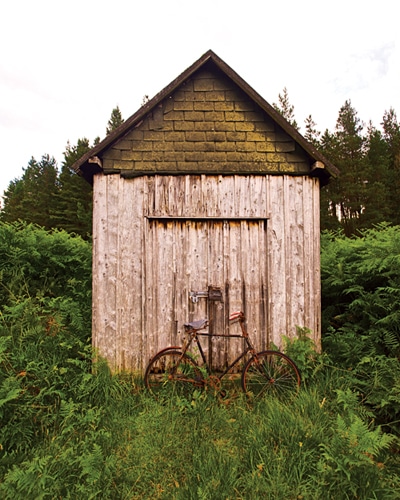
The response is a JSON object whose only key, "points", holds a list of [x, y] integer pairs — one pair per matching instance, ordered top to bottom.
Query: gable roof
{"points": [[90, 164]]}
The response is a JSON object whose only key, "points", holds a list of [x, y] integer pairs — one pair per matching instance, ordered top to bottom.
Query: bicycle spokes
{"points": [[179, 370], [270, 372]]}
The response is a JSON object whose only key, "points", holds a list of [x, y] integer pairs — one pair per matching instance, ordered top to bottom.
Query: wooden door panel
{"points": [[186, 256]]}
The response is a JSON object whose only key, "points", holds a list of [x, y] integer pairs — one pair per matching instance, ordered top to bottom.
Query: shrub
{"points": [[39, 263], [361, 291]]}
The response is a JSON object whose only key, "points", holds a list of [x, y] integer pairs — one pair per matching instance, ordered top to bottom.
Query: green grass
{"points": [[131, 446]]}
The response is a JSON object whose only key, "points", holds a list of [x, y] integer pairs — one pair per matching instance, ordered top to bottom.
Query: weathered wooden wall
{"points": [[255, 236]]}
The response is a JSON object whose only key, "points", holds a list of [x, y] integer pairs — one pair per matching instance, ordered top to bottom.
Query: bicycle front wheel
{"points": [[270, 372], [172, 373]]}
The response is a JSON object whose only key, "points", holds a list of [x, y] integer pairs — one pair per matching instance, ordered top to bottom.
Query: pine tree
{"points": [[285, 108], [115, 120], [391, 132], [312, 134], [377, 172], [330, 193], [348, 195], [32, 197], [12, 206], [73, 211]]}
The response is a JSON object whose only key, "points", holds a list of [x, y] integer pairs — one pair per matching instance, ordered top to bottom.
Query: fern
{"points": [[364, 296], [31, 479]]}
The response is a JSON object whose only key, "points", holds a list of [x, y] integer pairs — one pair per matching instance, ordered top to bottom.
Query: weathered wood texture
{"points": [[258, 240]]}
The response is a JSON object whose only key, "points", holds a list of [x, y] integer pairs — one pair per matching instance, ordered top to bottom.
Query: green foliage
{"points": [[285, 108], [115, 120], [311, 133], [391, 134], [367, 190], [347, 194], [31, 197], [52, 199], [72, 210], [38, 263], [360, 289], [361, 314], [45, 319], [302, 351], [45, 354], [378, 379], [71, 429], [121, 443], [76, 462], [348, 463]]}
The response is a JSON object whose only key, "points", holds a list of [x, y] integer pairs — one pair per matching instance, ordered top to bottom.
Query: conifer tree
{"points": [[285, 108], [115, 120], [391, 133], [312, 134], [377, 174], [330, 194], [348, 196], [32, 197], [55, 199], [12, 206], [73, 211]]}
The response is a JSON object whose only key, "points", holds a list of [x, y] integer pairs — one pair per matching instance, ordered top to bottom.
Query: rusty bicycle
{"points": [[265, 372]]}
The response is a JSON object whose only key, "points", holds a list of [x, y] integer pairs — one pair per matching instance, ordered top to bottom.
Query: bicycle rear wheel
{"points": [[270, 372], [172, 373]]}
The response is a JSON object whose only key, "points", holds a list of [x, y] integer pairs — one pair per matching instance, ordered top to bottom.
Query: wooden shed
{"points": [[205, 201]]}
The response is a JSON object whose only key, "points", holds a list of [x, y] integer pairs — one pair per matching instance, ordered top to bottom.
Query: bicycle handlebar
{"points": [[236, 315]]}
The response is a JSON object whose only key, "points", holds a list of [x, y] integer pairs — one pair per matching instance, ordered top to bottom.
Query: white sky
{"points": [[64, 65]]}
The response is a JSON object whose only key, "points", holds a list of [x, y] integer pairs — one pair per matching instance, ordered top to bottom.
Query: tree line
{"points": [[366, 192], [53, 198]]}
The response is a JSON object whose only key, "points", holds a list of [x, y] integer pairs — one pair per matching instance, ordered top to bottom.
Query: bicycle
{"points": [[264, 372]]}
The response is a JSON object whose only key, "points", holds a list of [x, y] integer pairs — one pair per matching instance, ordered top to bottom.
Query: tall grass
{"points": [[70, 429], [118, 442], [133, 447]]}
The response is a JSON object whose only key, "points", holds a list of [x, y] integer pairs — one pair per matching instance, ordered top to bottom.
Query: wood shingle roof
{"points": [[93, 161]]}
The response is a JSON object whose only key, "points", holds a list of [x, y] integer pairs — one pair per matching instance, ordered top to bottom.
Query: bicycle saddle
{"points": [[197, 325]]}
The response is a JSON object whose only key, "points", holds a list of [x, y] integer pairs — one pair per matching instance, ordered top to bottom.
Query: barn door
{"points": [[185, 256]]}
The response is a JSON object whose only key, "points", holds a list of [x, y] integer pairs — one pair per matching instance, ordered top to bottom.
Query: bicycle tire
{"points": [[270, 372], [171, 373]]}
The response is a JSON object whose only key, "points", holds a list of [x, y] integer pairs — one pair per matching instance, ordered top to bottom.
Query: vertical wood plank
{"points": [[297, 254], [309, 261], [106, 267], [216, 277], [277, 282], [129, 283], [99, 339]]}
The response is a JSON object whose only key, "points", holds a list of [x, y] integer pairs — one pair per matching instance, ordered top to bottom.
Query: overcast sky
{"points": [[64, 65]]}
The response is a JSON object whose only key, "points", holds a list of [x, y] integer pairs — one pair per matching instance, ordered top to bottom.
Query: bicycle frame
{"points": [[195, 334]]}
